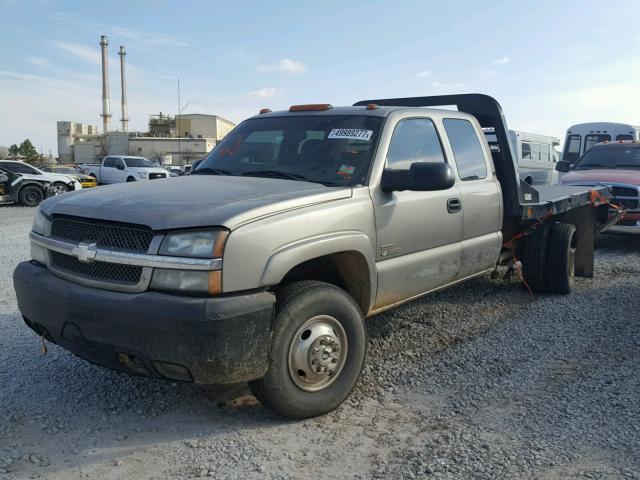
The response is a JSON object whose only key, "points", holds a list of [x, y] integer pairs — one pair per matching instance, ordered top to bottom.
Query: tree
{"points": [[14, 150], [28, 151]]}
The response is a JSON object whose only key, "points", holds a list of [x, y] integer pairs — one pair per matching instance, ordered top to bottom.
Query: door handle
{"points": [[454, 205]]}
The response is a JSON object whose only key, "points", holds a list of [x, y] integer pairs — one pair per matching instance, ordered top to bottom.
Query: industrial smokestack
{"points": [[123, 87], [106, 106]]}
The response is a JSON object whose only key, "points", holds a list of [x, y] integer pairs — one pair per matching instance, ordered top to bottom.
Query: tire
{"points": [[131, 179], [529, 180], [60, 188], [30, 195], [562, 256], [535, 259], [312, 316]]}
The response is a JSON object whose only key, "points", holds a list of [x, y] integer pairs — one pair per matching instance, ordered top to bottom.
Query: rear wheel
{"points": [[30, 195], [562, 258], [535, 259], [317, 351]]}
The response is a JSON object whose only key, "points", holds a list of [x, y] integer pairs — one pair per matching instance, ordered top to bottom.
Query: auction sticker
{"points": [[351, 133]]}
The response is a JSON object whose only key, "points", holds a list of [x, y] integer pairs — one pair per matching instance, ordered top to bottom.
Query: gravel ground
{"points": [[480, 381]]}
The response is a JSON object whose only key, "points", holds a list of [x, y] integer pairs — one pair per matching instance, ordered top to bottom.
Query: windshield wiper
{"points": [[210, 171], [276, 174]]}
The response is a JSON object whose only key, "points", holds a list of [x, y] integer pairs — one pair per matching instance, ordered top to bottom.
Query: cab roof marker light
{"points": [[373, 106], [314, 107], [265, 110]]}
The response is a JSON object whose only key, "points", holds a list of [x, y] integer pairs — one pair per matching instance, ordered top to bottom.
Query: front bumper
{"points": [[203, 340]]}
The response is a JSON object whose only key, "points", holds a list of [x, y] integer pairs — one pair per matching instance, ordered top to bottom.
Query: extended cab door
{"points": [[108, 170], [120, 172], [481, 196], [419, 233]]}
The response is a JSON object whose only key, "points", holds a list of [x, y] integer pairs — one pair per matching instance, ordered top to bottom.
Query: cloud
{"points": [[151, 39], [87, 54], [38, 61], [501, 61], [286, 65], [423, 74], [448, 86], [265, 93]]}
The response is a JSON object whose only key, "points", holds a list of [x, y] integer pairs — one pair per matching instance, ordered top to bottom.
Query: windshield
{"points": [[332, 150], [610, 156], [138, 162]]}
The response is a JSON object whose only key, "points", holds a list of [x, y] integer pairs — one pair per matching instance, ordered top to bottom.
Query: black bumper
{"points": [[202, 340]]}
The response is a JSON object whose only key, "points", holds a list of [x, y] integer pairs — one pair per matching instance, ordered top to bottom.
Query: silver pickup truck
{"points": [[262, 264]]}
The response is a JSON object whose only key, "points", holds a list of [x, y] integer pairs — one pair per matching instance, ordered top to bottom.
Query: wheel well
{"points": [[130, 177], [529, 180], [346, 270]]}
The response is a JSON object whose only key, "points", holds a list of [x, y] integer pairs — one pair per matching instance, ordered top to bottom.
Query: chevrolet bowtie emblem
{"points": [[85, 252]]}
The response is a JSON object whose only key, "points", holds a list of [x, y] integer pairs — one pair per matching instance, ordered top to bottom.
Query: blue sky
{"points": [[550, 64]]}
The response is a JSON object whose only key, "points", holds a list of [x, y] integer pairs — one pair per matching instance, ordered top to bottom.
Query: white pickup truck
{"points": [[124, 168]]}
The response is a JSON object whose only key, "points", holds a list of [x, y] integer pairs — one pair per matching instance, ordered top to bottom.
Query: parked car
{"points": [[580, 138], [615, 165], [124, 168], [173, 171], [86, 181], [61, 183], [23, 188], [262, 264]]}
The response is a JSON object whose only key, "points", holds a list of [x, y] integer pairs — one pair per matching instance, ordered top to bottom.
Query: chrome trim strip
{"points": [[129, 258]]}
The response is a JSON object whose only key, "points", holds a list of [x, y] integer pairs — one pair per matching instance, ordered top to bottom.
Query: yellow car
{"points": [[85, 180]]}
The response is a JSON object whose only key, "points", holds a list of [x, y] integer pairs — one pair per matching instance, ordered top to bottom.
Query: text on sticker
{"points": [[351, 133]]}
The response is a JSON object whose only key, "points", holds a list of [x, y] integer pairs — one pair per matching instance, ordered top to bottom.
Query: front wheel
{"points": [[131, 179], [59, 188], [30, 196], [317, 351]]}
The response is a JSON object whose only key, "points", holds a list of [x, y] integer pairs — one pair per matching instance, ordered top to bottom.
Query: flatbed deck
{"points": [[543, 200]]}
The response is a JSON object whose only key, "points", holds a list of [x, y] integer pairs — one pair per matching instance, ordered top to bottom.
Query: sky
{"points": [[550, 64]]}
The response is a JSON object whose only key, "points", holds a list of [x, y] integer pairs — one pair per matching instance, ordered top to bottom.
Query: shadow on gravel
{"points": [[620, 239]]}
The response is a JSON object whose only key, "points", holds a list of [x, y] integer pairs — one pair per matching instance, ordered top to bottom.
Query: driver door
{"points": [[419, 234]]}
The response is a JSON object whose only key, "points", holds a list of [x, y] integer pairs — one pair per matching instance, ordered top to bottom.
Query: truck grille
{"points": [[154, 176], [627, 196], [136, 239], [102, 271]]}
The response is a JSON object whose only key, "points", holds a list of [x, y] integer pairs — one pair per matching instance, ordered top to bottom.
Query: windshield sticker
{"points": [[351, 134], [346, 170]]}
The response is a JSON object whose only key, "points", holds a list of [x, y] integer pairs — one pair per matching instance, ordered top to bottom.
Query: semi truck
{"points": [[263, 264]]}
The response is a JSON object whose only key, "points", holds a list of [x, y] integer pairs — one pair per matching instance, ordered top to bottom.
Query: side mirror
{"points": [[120, 166], [563, 166], [421, 177]]}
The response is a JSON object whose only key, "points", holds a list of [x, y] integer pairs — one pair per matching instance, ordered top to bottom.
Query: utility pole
{"points": [[178, 126]]}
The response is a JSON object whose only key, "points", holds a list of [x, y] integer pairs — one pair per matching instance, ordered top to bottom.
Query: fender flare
{"points": [[285, 258]]}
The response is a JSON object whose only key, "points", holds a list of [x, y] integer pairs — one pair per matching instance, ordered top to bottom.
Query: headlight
{"points": [[142, 174], [41, 224], [199, 244], [187, 281]]}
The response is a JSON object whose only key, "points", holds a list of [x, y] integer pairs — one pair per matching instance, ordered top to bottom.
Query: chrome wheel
{"points": [[59, 189], [317, 353]]}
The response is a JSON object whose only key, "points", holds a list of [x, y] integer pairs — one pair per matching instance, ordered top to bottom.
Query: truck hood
{"points": [[602, 175], [193, 201]]}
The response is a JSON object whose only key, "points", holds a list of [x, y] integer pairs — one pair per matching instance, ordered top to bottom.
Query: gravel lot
{"points": [[480, 381]]}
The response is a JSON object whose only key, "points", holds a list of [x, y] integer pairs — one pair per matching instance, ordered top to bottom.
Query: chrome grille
{"points": [[154, 176], [624, 191], [136, 239], [110, 272]]}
